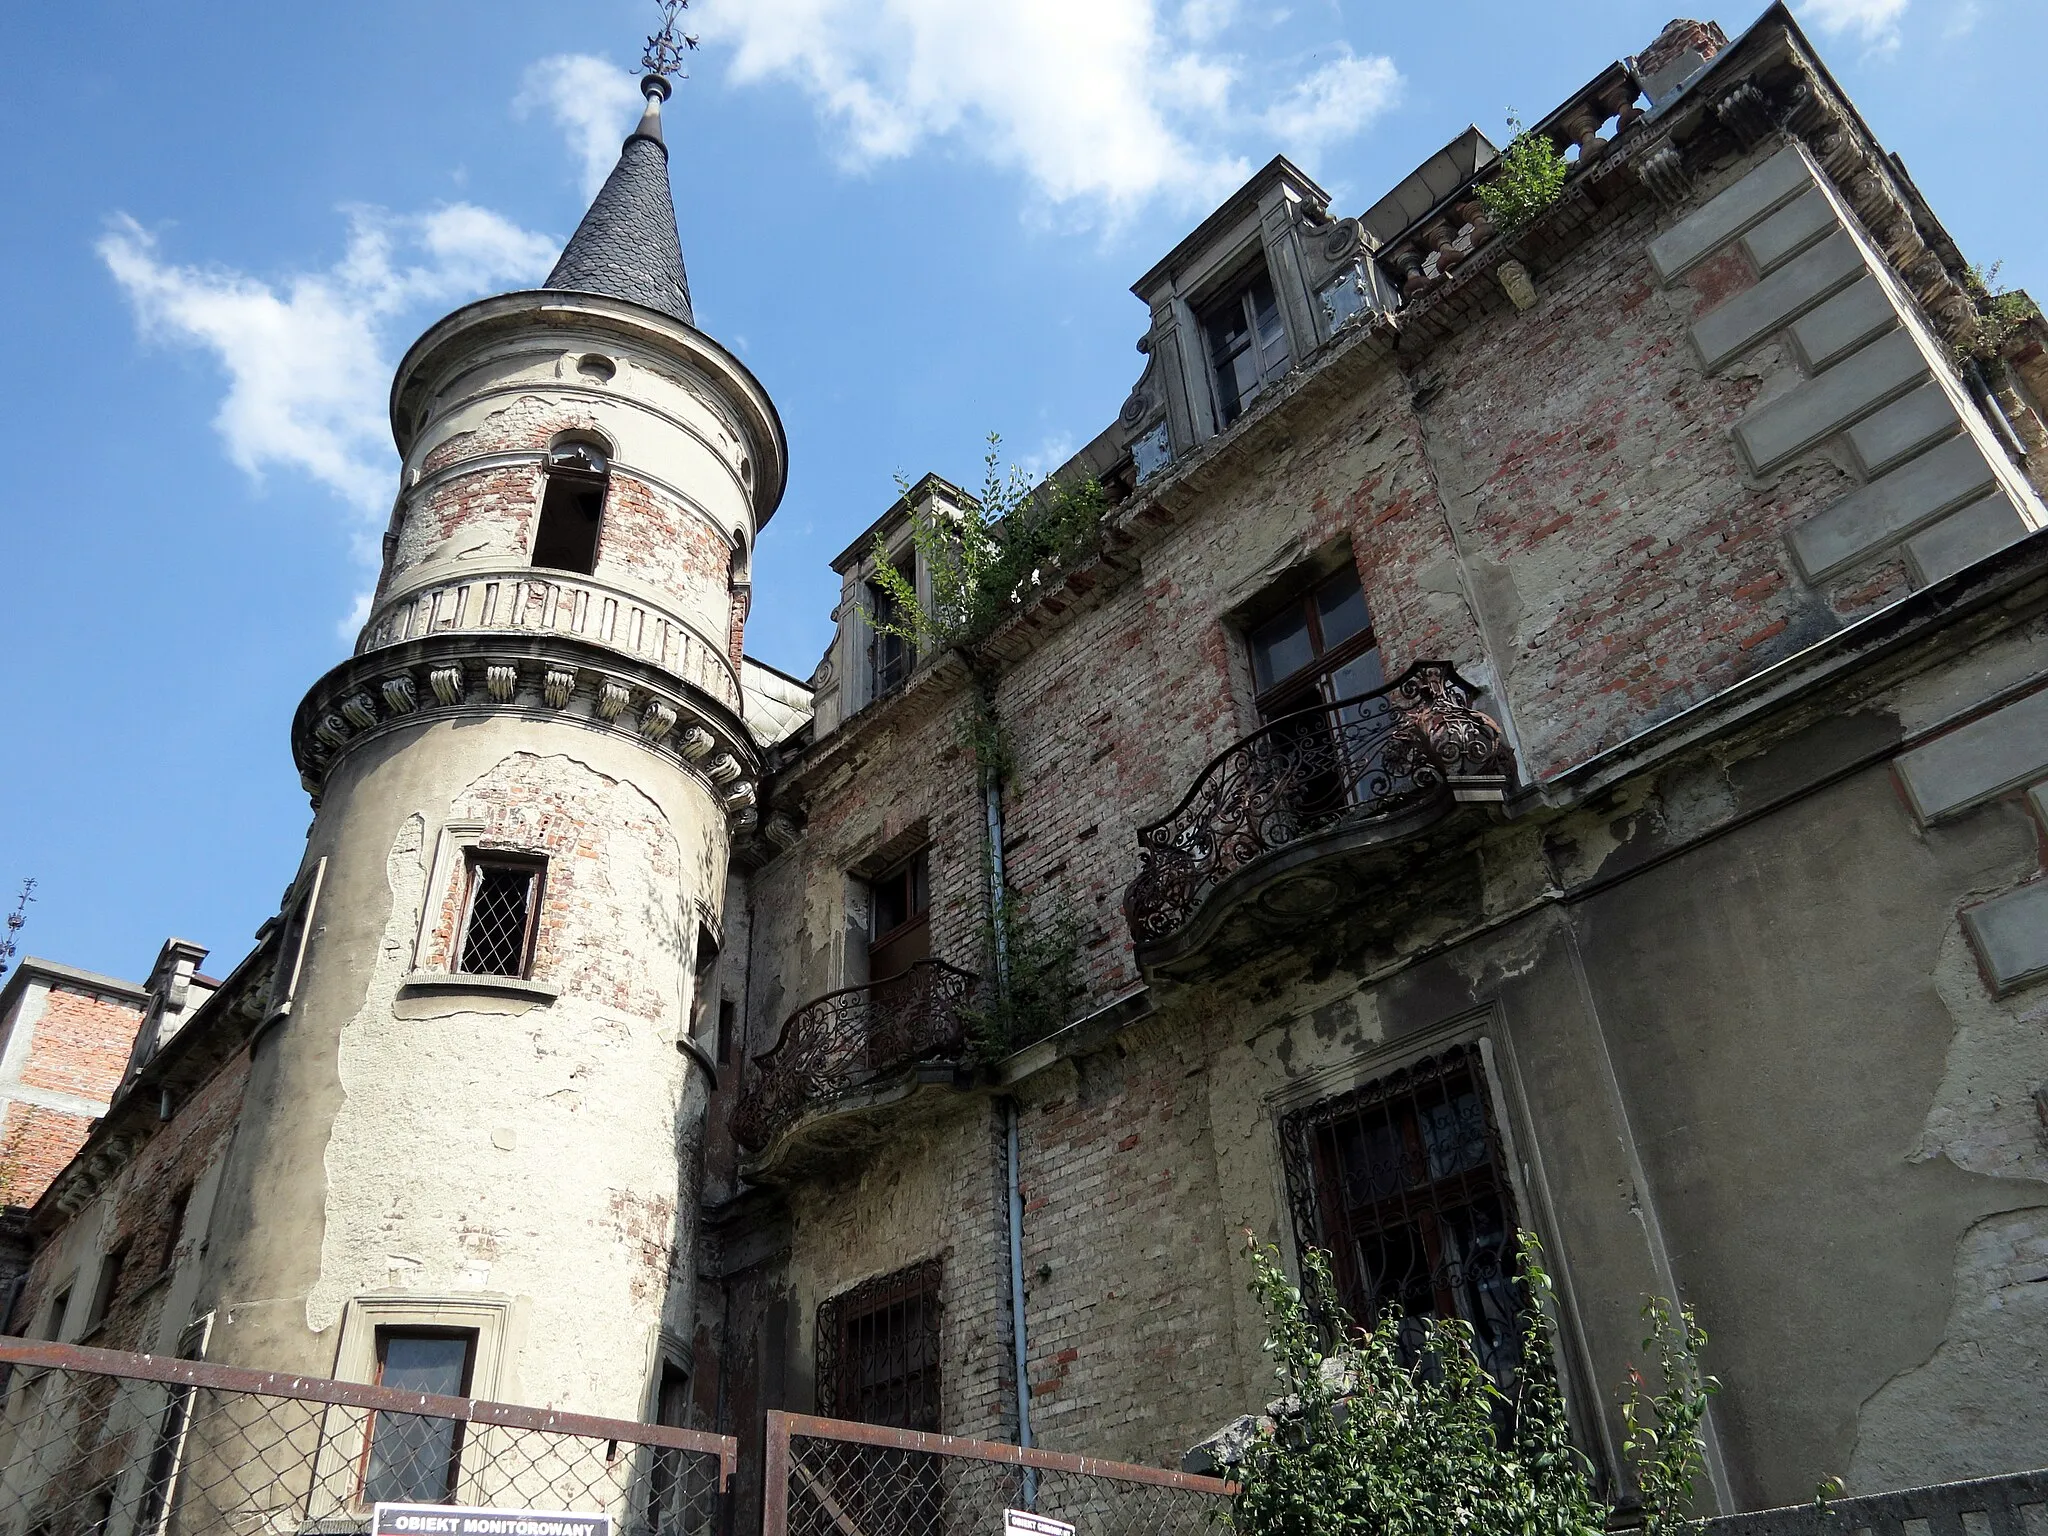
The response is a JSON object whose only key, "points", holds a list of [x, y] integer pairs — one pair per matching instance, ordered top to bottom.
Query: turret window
{"points": [[572, 507], [499, 916]]}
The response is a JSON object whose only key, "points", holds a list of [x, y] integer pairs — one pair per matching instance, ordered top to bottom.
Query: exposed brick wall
{"points": [[81, 1043], [35, 1144]]}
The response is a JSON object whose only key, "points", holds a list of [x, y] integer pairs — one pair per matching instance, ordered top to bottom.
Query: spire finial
{"points": [[668, 47]]}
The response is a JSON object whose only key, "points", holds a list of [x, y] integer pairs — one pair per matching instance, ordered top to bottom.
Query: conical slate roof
{"points": [[627, 246]]}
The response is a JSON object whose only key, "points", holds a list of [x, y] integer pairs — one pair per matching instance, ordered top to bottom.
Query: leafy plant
{"points": [[1531, 177], [2001, 314], [988, 558], [1042, 956], [1377, 1435], [1663, 1439]]}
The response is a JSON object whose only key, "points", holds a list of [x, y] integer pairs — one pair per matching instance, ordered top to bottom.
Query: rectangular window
{"points": [[1247, 345], [571, 509], [1318, 649], [891, 658], [499, 916], [899, 918], [728, 1021], [1403, 1182], [174, 1223], [107, 1286], [60, 1303], [879, 1350], [414, 1458], [669, 1484]]}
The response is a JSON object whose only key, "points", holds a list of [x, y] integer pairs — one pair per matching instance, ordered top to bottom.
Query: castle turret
{"points": [[472, 1115]]}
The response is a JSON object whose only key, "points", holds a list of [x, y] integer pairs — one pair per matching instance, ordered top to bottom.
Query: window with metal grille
{"points": [[499, 918], [1403, 1182], [878, 1350], [411, 1458]]}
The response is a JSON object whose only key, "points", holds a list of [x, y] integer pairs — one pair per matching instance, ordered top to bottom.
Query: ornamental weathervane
{"points": [[667, 48]]}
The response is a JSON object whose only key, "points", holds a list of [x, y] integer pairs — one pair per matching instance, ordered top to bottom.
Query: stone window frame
{"points": [[433, 968], [1486, 1028], [488, 1316]]}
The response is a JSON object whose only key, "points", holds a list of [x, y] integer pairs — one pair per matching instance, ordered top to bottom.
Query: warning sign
{"points": [[455, 1520], [1017, 1522]]}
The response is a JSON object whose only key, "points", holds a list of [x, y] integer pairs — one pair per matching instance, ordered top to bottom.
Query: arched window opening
{"points": [[572, 507]]}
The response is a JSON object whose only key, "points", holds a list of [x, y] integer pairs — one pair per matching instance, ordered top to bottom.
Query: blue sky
{"points": [[916, 220]]}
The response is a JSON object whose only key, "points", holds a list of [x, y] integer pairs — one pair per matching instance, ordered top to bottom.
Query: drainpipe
{"points": [[2001, 423], [992, 799]]}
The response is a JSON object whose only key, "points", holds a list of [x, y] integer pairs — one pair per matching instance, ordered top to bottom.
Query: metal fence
{"points": [[95, 1442], [830, 1477], [2014, 1505]]}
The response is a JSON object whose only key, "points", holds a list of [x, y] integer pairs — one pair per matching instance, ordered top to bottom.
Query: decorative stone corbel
{"points": [[1745, 113], [1664, 173], [1516, 282], [501, 681], [447, 683], [557, 686], [400, 696], [612, 698], [359, 710], [657, 719], [331, 732], [695, 743], [722, 769], [740, 796], [781, 830]]}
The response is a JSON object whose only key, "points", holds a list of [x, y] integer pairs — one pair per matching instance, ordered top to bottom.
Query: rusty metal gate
{"points": [[96, 1442], [831, 1477]]}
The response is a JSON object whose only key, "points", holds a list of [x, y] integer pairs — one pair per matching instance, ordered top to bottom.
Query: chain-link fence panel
{"points": [[98, 1443], [831, 1477]]}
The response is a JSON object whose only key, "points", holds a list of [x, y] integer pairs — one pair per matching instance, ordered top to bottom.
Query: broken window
{"points": [[1247, 344], [571, 507], [1317, 649], [891, 658], [499, 916], [899, 918], [1403, 1183], [106, 1287], [878, 1350], [413, 1458]]}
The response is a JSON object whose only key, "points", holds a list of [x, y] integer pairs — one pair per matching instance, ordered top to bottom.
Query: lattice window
{"points": [[498, 925], [1404, 1183], [878, 1350]]}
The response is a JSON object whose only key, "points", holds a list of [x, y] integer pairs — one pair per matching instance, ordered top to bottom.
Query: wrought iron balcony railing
{"points": [[1389, 761], [844, 1040]]}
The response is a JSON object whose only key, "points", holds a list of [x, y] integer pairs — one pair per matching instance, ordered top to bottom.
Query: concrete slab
{"points": [[1731, 211], [1807, 218], [1786, 294], [1844, 323], [1794, 421], [1909, 425], [1892, 507], [1964, 537], [1978, 761], [2010, 933]]}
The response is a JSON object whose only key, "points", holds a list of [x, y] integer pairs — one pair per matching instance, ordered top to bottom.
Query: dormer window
{"points": [[1247, 344], [572, 506], [891, 657]]}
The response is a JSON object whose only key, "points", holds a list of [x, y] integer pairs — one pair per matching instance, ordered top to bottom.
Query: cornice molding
{"points": [[470, 675]]}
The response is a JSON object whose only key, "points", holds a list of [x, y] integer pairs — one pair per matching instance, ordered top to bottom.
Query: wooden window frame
{"points": [[1286, 695], [381, 1335]]}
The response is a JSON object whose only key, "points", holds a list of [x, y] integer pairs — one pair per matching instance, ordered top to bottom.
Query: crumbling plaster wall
{"points": [[409, 1141]]}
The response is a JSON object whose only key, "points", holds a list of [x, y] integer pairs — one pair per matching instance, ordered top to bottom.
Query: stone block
{"points": [[1730, 212], [1807, 218], [1779, 299], [1844, 323], [1793, 422], [1909, 425], [1891, 507], [1964, 537], [1978, 761], [2010, 933]]}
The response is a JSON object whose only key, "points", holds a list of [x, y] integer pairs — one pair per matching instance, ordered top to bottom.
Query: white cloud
{"points": [[1875, 22], [1101, 102], [1335, 102], [594, 103], [309, 358]]}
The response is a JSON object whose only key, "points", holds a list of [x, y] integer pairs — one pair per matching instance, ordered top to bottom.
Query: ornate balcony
{"points": [[1312, 788], [837, 1048]]}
